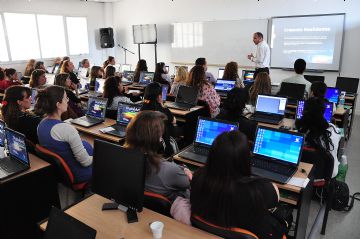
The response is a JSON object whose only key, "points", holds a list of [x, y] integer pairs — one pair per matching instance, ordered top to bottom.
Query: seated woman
{"points": [[109, 61], [39, 65], [141, 66], [30, 67], [68, 67], [109, 71], [96, 72], [231, 73], [161, 75], [10, 78], [37, 79], [63, 79], [180, 79], [262, 85], [207, 92], [115, 93], [16, 102], [233, 108], [320, 134], [60, 137], [163, 177], [224, 193]]}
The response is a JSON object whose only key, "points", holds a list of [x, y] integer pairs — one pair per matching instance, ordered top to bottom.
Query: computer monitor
{"points": [[125, 67], [221, 72], [128, 76], [248, 76], [146, 77], [314, 78], [347, 84], [99, 85], [224, 85], [292, 90], [164, 91], [332, 94], [187, 95], [271, 104], [96, 107], [126, 112], [327, 114], [208, 129], [2, 133], [16, 144], [278, 145], [119, 174]]}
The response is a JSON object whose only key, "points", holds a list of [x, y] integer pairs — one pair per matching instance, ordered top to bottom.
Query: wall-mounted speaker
{"points": [[106, 37]]}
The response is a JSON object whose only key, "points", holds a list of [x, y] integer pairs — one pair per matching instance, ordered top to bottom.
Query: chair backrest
{"points": [[157, 203], [230, 233]]}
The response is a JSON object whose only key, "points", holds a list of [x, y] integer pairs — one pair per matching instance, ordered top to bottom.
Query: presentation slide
{"points": [[316, 39]]}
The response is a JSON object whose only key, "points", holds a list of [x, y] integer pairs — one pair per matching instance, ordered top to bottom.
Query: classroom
{"points": [[179, 119]]}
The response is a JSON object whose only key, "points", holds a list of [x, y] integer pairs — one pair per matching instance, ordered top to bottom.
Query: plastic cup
{"points": [[157, 228]]}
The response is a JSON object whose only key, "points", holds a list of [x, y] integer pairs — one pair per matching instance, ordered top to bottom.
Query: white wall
{"points": [[163, 12], [98, 15]]}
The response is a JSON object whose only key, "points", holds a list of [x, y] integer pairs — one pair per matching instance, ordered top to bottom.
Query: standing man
{"points": [[262, 57]]}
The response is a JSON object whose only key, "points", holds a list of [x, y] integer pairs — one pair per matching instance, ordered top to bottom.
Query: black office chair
{"points": [[157, 203]]}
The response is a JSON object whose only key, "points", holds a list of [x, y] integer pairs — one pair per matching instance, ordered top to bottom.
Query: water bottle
{"points": [[342, 99], [343, 167]]}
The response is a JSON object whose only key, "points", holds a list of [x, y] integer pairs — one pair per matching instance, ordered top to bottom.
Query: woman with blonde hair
{"points": [[30, 67], [68, 67], [37, 79], [180, 79], [262, 85]]}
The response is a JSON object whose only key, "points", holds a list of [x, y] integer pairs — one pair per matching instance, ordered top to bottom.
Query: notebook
{"points": [[332, 94], [186, 98], [269, 109], [95, 113], [327, 114], [206, 131], [276, 153], [18, 159]]}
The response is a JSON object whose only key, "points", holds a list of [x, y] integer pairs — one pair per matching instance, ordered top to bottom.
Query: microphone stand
{"points": [[125, 50]]}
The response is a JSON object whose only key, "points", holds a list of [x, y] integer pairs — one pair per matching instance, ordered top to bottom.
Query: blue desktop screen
{"points": [[224, 85], [164, 90], [332, 94], [271, 104], [96, 107], [300, 108], [126, 112], [327, 113], [208, 130], [2, 133], [278, 145], [17, 146]]}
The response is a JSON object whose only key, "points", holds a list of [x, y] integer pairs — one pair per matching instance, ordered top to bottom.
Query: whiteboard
{"points": [[218, 41]]}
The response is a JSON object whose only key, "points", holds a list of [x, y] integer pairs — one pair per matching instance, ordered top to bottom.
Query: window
{"points": [[22, 35], [52, 35], [77, 35], [188, 35], [3, 50]]}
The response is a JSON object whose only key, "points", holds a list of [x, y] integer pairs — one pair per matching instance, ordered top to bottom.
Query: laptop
{"points": [[125, 67], [82, 72], [221, 73], [248, 76], [127, 78], [145, 78], [313, 78], [347, 84], [84, 85], [223, 86], [99, 88], [164, 91], [292, 91], [332, 94], [33, 98], [186, 98], [269, 109], [125, 112], [95, 113], [327, 114], [206, 131], [276, 153], [18, 159], [61, 225]]}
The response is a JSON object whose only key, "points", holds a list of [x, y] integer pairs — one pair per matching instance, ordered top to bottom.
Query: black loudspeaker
{"points": [[106, 37]]}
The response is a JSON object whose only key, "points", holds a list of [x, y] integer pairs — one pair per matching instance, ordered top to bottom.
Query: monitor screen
{"points": [[125, 67], [221, 72], [248, 75], [128, 76], [146, 77], [347, 84], [99, 85], [224, 85], [164, 91], [332, 94], [33, 95], [187, 95], [271, 104], [96, 107], [300, 109], [125, 112], [327, 113], [207, 130], [2, 133], [17, 145], [284, 146]]}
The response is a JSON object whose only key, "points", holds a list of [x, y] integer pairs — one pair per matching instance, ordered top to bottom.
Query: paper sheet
{"points": [[299, 182]]}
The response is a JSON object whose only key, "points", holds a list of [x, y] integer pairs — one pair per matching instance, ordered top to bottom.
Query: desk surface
{"points": [[178, 112], [285, 122], [35, 164], [113, 224]]}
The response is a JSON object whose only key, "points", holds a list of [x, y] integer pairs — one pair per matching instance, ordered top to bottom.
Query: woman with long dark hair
{"points": [[141, 66], [231, 73], [161, 75], [262, 85], [115, 92]]}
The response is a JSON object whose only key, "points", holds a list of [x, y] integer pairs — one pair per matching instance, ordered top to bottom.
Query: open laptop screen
{"points": [[221, 72], [248, 75], [128, 76], [146, 77], [99, 85], [224, 85], [350, 85], [164, 90], [332, 94], [33, 95], [187, 95], [271, 104], [96, 107], [126, 112], [327, 113], [208, 129], [2, 133], [17, 146], [284, 146]]}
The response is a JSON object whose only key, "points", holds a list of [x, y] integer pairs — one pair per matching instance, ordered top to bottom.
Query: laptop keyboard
{"points": [[180, 105], [265, 119], [91, 120], [119, 128], [201, 151], [9, 165], [273, 167]]}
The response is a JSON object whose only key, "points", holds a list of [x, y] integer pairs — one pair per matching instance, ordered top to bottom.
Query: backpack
{"points": [[342, 196]]}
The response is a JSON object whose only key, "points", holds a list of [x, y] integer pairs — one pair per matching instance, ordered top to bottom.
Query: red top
{"points": [[4, 84]]}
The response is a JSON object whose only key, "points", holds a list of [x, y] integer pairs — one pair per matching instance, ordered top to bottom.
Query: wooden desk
{"points": [[181, 114], [285, 122], [26, 199], [113, 224]]}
